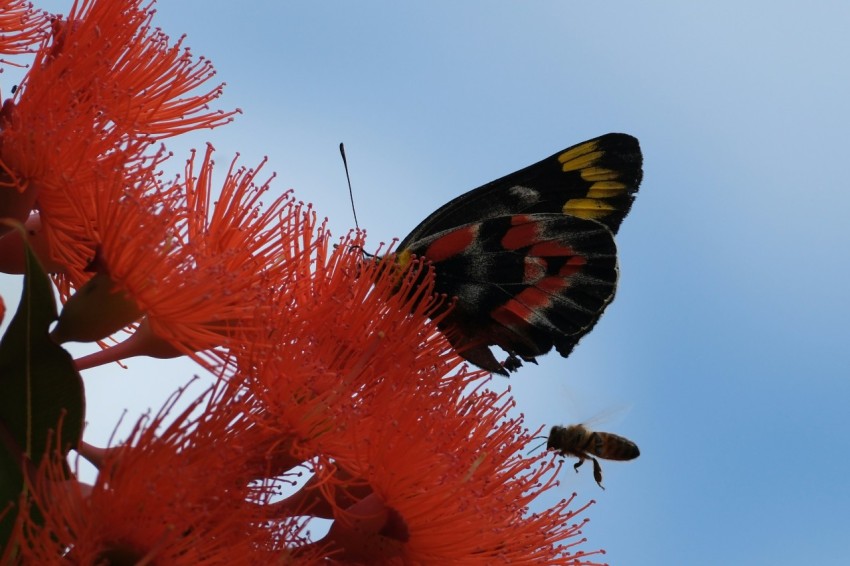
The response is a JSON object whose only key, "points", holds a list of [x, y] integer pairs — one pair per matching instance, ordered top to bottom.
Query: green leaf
{"points": [[39, 385]]}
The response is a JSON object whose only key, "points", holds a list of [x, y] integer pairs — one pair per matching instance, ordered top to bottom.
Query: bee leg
{"points": [[577, 464], [597, 472]]}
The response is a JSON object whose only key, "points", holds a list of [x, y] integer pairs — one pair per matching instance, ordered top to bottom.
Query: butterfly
{"points": [[530, 258]]}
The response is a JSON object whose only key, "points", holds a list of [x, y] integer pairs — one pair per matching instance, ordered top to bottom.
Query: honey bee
{"points": [[583, 443]]}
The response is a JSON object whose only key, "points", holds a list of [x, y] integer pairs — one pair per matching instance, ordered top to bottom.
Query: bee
{"points": [[583, 443]]}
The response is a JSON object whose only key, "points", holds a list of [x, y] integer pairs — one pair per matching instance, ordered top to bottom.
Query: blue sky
{"points": [[727, 341]]}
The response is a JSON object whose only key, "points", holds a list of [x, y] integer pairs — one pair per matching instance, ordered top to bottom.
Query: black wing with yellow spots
{"points": [[530, 258]]}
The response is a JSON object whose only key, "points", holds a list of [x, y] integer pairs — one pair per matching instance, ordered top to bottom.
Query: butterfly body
{"points": [[530, 258]]}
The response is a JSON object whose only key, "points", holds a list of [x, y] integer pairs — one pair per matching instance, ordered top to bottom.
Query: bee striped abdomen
{"points": [[584, 444], [613, 446]]}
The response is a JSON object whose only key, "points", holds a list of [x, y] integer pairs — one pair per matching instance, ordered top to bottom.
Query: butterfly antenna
{"points": [[348, 178]]}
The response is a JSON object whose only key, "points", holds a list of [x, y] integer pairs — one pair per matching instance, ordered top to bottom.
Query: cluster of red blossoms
{"points": [[327, 364]]}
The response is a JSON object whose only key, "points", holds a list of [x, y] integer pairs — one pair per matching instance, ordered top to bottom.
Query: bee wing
{"points": [[606, 417]]}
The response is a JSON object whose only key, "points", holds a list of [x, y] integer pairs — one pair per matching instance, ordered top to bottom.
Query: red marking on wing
{"points": [[523, 233], [453, 243], [552, 248], [572, 266], [535, 269], [521, 308], [512, 314]]}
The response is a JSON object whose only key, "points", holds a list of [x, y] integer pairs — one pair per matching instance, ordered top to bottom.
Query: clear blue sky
{"points": [[727, 340]]}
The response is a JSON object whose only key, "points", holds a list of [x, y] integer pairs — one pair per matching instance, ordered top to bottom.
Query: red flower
{"points": [[20, 27], [101, 90], [201, 273], [325, 358], [411, 465], [168, 495]]}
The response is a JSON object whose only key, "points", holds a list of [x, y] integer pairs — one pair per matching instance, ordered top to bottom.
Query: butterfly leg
{"points": [[513, 363]]}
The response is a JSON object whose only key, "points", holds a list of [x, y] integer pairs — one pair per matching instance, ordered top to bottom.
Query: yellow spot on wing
{"points": [[580, 157], [599, 174], [605, 189], [587, 208]]}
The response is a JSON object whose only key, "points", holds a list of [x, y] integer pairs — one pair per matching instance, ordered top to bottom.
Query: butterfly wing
{"points": [[596, 179], [530, 258], [524, 282]]}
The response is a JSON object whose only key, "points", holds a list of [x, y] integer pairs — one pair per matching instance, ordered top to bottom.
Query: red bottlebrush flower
{"points": [[21, 27], [150, 79], [98, 94], [132, 228], [238, 252], [202, 274], [325, 361], [410, 466], [449, 485], [169, 495]]}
